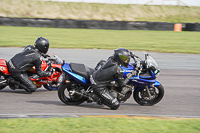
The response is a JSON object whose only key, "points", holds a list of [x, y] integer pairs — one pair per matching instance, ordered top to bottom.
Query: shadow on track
{"points": [[84, 105]]}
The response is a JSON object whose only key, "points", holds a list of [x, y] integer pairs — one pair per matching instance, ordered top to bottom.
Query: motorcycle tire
{"points": [[2, 77], [56, 85], [2, 87], [50, 88], [62, 91], [141, 96]]}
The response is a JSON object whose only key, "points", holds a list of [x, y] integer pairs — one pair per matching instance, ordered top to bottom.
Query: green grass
{"points": [[97, 11], [160, 41], [98, 125]]}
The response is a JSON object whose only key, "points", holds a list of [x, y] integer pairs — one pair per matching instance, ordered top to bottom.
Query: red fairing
{"points": [[44, 65], [56, 66], [3, 67], [31, 72]]}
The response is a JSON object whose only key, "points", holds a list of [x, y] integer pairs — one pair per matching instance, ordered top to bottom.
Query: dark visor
{"points": [[124, 58]]}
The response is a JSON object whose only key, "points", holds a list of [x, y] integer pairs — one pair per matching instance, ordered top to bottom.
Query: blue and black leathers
{"points": [[104, 75]]}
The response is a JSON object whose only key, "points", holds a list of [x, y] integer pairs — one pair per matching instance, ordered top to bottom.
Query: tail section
{"points": [[3, 67]]}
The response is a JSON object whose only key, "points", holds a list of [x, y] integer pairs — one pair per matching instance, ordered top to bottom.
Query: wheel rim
{"points": [[51, 87], [69, 94], [144, 94], [144, 97]]}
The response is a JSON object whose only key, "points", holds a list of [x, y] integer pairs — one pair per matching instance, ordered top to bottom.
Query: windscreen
{"points": [[151, 62]]}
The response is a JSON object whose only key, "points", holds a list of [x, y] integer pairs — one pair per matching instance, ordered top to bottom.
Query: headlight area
{"points": [[155, 71]]}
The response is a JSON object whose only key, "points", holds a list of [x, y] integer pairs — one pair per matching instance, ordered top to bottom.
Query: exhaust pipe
{"points": [[4, 82], [78, 93]]}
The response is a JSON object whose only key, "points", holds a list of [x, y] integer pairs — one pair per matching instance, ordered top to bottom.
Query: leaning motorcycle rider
{"points": [[23, 61], [106, 73]]}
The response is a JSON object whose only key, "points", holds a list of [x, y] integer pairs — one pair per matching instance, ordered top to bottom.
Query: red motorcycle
{"points": [[50, 63]]}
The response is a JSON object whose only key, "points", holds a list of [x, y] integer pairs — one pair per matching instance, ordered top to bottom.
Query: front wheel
{"points": [[55, 85], [50, 87], [65, 94], [141, 95]]}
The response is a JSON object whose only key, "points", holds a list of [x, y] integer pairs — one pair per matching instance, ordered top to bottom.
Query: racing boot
{"points": [[13, 84], [17, 85], [21, 86], [106, 98]]}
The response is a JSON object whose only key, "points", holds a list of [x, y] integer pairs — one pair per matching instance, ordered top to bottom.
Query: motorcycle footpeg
{"points": [[4, 82], [90, 100], [99, 102]]}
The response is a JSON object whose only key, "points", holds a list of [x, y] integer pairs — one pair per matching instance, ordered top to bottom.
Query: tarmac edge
{"points": [[127, 116]]}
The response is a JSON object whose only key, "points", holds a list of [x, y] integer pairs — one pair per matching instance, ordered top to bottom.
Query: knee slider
{"points": [[32, 88], [115, 104], [114, 107]]}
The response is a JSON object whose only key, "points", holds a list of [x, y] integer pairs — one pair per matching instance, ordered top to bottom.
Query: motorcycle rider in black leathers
{"points": [[23, 61], [106, 73]]}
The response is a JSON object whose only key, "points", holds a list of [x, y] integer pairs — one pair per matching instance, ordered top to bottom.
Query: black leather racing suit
{"points": [[23, 61], [100, 79]]}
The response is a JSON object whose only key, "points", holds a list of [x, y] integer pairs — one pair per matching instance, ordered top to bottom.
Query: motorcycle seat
{"points": [[81, 70]]}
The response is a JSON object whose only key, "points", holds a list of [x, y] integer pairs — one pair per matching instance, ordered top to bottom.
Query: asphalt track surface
{"points": [[180, 76]]}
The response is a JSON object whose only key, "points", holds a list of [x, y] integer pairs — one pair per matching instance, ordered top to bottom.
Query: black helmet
{"points": [[42, 44], [122, 56]]}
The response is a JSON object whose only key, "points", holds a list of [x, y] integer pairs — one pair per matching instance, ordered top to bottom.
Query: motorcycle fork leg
{"points": [[148, 92]]}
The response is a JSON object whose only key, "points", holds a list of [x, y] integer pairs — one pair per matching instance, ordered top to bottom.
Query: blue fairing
{"points": [[128, 69], [70, 73], [139, 80], [157, 83]]}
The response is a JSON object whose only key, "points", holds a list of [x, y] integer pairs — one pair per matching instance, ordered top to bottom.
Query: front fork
{"points": [[151, 86], [148, 87], [148, 92]]}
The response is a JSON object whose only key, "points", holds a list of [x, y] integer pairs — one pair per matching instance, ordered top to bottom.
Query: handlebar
{"points": [[45, 55], [137, 60], [139, 63]]}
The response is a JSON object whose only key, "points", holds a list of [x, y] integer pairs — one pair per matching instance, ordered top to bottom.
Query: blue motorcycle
{"points": [[140, 76]]}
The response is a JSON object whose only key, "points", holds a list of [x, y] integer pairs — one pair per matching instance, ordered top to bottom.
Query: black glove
{"points": [[45, 55], [48, 74], [35, 76], [128, 77]]}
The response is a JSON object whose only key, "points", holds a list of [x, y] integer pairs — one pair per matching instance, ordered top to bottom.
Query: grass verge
{"points": [[97, 11], [160, 41], [98, 125]]}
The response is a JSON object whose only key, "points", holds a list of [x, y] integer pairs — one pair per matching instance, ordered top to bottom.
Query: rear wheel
{"points": [[2, 78], [66, 94], [141, 95]]}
